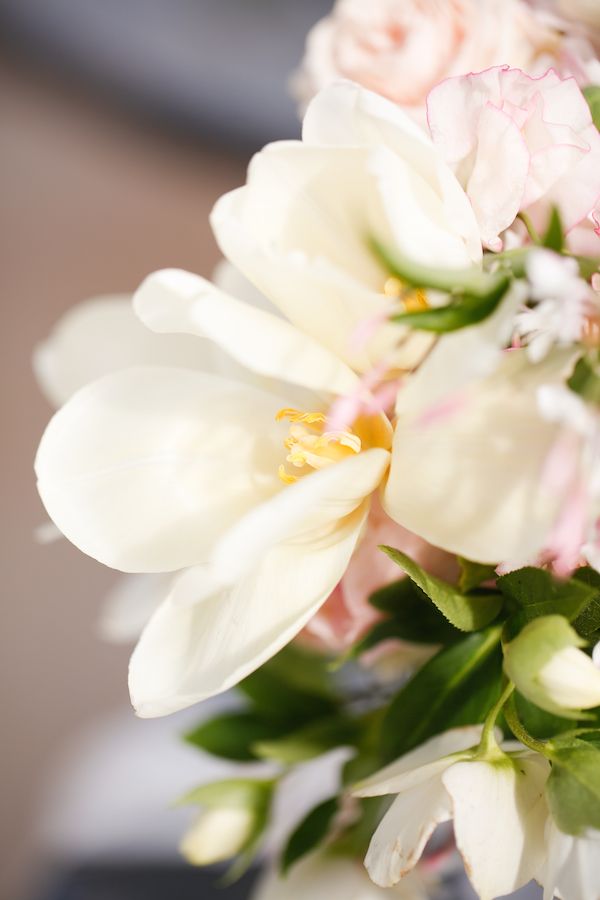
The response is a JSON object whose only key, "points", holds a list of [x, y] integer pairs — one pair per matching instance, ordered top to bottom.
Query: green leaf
{"points": [[592, 95], [554, 236], [473, 280], [461, 312], [585, 379], [472, 574], [533, 593], [467, 612], [413, 615], [587, 623], [295, 684], [457, 687], [538, 722], [232, 735], [310, 741], [573, 788], [309, 834]]}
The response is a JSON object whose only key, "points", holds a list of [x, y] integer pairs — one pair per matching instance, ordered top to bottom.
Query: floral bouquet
{"points": [[358, 474]]}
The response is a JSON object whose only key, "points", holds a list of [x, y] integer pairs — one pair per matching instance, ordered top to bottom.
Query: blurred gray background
{"points": [[122, 122]]}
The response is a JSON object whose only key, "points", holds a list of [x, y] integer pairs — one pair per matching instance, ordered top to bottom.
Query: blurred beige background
{"points": [[91, 202]]}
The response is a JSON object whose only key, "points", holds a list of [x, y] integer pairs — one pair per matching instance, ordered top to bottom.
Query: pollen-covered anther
{"points": [[312, 448]]}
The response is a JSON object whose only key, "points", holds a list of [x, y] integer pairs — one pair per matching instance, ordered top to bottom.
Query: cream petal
{"points": [[347, 114], [299, 231], [176, 301], [104, 335], [145, 468], [463, 481], [306, 512], [130, 604], [189, 652], [419, 764], [499, 815], [400, 838], [572, 868]]}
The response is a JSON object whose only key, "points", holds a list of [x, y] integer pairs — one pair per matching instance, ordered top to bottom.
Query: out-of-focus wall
{"points": [[91, 202]]}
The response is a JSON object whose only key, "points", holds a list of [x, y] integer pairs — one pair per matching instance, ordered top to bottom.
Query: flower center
{"points": [[413, 300], [311, 446]]}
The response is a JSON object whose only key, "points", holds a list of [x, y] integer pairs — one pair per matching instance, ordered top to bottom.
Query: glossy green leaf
{"points": [[473, 574], [532, 593], [467, 612], [587, 623], [294, 684], [456, 687], [538, 722], [232, 735], [312, 740], [574, 785], [310, 833]]}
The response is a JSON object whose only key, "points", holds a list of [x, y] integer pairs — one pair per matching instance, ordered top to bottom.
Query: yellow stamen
{"points": [[393, 287], [285, 476]]}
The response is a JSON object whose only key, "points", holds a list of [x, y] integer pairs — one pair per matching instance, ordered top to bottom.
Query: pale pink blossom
{"points": [[402, 48], [516, 141]]}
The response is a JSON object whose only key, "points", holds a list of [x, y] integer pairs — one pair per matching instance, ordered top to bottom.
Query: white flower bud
{"points": [[217, 834]]}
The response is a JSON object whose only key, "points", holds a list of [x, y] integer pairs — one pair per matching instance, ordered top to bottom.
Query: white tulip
{"points": [[299, 229], [159, 469], [497, 806], [217, 834], [572, 866], [320, 877]]}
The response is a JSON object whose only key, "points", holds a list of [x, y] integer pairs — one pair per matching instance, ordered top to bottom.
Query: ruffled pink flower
{"points": [[402, 48], [515, 141], [347, 615]]}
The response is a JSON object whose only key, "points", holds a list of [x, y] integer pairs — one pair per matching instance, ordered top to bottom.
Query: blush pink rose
{"points": [[402, 48], [514, 142], [347, 615]]}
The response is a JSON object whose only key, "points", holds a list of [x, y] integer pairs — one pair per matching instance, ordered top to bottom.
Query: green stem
{"points": [[531, 230], [516, 726], [488, 744]]}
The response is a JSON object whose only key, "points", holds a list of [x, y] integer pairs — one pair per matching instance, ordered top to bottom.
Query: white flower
{"points": [[402, 48], [299, 229], [564, 304], [160, 469], [471, 481], [497, 806], [217, 834], [572, 866], [321, 877]]}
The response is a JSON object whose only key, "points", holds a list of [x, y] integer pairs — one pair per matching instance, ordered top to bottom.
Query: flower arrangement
{"points": [[356, 476]]}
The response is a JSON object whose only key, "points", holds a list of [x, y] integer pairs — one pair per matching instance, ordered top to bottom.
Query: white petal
{"points": [[347, 114], [176, 301], [104, 335], [145, 468], [463, 481], [305, 512], [130, 604], [188, 652], [571, 679], [419, 764], [499, 815], [400, 839], [572, 869]]}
